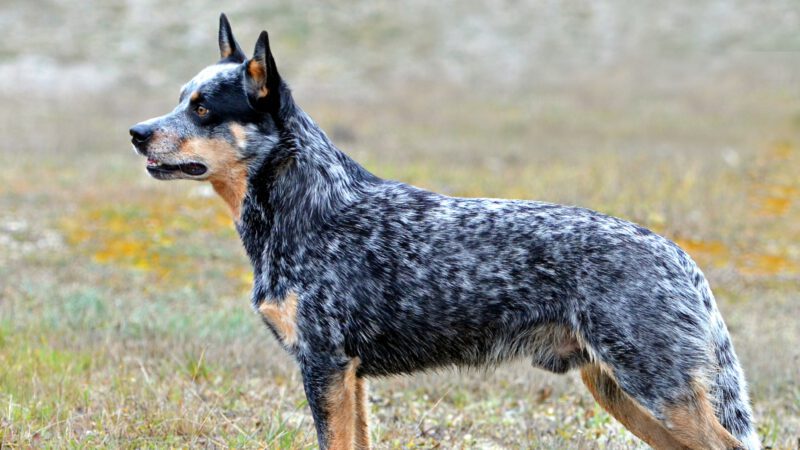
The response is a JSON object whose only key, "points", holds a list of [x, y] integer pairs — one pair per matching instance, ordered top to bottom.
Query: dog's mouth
{"points": [[159, 169]]}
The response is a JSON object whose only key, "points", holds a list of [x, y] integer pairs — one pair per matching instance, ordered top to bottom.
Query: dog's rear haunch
{"points": [[358, 276]]}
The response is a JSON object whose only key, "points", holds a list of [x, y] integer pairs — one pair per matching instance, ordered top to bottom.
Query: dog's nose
{"points": [[140, 133]]}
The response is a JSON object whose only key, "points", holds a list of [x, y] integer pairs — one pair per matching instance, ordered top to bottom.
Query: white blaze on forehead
{"points": [[207, 74]]}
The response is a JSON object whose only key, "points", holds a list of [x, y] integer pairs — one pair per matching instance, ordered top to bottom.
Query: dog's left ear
{"points": [[229, 49], [261, 76]]}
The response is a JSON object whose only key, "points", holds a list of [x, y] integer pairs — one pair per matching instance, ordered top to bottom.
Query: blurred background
{"points": [[124, 309]]}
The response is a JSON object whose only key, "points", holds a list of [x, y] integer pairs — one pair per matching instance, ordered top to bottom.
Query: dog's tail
{"points": [[728, 387]]}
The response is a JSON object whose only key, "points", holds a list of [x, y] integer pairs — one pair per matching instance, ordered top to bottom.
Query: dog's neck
{"points": [[300, 185]]}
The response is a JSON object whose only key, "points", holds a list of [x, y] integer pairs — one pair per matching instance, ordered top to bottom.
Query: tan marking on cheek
{"points": [[227, 172], [283, 317], [341, 406]]}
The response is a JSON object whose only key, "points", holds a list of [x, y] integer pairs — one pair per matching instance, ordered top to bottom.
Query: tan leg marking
{"points": [[227, 171], [283, 317], [341, 407], [362, 415], [635, 418], [694, 424]]}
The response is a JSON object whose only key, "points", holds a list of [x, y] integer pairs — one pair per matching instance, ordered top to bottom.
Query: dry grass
{"points": [[125, 319]]}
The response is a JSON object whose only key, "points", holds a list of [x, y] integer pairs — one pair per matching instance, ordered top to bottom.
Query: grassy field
{"points": [[124, 311], [125, 318]]}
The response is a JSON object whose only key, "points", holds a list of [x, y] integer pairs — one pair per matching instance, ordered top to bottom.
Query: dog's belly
{"points": [[411, 344]]}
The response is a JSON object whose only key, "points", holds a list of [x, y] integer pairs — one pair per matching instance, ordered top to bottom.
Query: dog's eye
{"points": [[201, 111]]}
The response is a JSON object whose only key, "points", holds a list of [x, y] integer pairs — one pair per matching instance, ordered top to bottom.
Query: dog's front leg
{"points": [[331, 392], [362, 415]]}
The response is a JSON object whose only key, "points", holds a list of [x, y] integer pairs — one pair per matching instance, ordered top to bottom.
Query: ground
{"points": [[126, 321]]}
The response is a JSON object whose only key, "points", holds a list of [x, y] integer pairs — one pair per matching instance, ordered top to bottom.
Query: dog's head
{"points": [[224, 117]]}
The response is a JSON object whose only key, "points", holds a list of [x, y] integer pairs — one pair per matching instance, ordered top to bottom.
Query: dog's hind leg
{"points": [[331, 390], [665, 412], [635, 418], [692, 421], [688, 422]]}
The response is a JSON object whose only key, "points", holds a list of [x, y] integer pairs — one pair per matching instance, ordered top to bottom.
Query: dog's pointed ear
{"points": [[228, 47], [261, 75]]}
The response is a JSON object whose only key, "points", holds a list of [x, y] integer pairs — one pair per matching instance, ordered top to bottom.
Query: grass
{"points": [[126, 320]]}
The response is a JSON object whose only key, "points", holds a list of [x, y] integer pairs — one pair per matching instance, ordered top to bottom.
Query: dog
{"points": [[361, 277]]}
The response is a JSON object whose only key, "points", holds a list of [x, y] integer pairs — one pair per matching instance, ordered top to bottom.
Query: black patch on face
{"points": [[225, 100]]}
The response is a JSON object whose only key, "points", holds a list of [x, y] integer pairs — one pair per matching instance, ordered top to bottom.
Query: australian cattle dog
{"points": [[361, 277]]}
